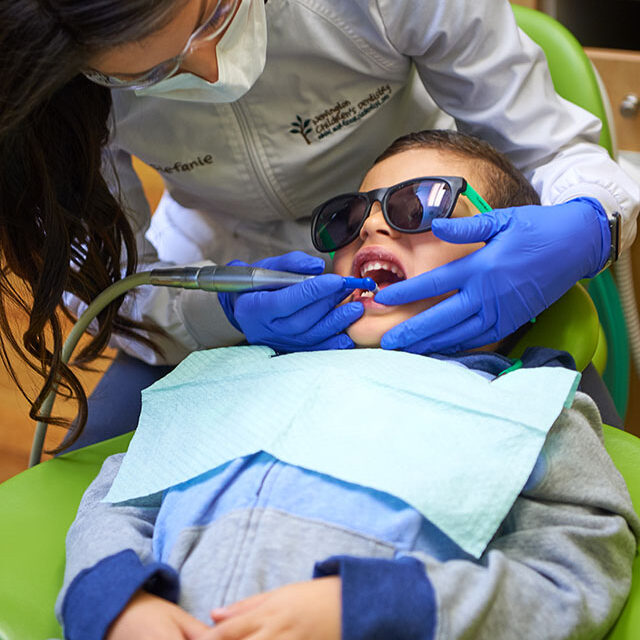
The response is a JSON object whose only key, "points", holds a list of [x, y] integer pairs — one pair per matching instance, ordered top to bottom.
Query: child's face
{"points": [[408, 254]]}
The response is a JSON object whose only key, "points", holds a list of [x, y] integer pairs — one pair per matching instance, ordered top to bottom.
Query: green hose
{"points": [[103, 300], [617, 371]]}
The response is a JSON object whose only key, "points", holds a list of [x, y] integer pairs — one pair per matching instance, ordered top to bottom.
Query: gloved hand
{"points": [[533, 255], [302, 317]]}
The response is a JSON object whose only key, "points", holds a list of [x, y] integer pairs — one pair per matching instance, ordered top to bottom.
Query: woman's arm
{"points": [[494, 80], [191, 319]]}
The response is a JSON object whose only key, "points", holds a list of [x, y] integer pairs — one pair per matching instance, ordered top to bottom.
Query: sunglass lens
{"points": [[414, 206], [337, 222]]}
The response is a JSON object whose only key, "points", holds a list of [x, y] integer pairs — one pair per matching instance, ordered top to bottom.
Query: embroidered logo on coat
{"points": [[342, 114], [302, 127]]}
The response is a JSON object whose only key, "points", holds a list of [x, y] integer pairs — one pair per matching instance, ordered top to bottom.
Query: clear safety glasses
{"points": [[212, 27], [408, 207]]}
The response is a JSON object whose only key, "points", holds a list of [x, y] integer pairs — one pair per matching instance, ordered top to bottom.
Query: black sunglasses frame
{"points": [[457, 184]]}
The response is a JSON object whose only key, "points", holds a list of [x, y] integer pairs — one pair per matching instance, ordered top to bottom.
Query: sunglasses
{"points": [[216, 22], [408, 207]]}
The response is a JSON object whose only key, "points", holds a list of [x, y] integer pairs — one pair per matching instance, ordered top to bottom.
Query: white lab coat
{"points": [[341, 81]]}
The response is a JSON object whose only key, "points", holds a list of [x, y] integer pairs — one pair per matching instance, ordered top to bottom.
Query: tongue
{"points": [[383, 278]]}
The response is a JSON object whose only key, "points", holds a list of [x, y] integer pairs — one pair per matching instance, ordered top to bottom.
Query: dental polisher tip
{"points": [[368, 284]]}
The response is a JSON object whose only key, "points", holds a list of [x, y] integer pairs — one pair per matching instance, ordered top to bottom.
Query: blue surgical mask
{"points": [[241, 54]]}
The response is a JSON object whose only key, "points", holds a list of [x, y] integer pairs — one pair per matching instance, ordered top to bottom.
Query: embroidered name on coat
{"points": [[180, 166]]}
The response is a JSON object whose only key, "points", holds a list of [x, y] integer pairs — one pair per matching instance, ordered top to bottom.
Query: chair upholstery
{"points": [[570, 324], [624, 449], [36, 508]]}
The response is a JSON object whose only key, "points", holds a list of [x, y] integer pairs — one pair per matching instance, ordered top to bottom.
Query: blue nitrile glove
{"points": [[532, 256], [302, 317]]}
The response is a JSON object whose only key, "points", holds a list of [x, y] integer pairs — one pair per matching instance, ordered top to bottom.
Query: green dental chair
{"points": [[575, 80], [38, 505]]}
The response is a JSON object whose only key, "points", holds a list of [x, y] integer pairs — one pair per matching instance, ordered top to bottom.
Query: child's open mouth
{"points": [[383, 272]]}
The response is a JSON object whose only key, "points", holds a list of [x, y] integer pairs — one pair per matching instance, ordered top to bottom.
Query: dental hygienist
{"points": [[253, 112]]}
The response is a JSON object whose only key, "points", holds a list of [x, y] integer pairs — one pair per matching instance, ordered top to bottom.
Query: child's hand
{"points": [[301, 611], [149, 617]]}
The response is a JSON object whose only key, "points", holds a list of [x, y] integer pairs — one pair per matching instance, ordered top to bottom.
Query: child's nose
{"points": [[202, 61], [376, 224]]}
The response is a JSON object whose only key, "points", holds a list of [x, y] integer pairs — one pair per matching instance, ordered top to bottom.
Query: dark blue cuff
{"points": [[605, 232], [98, 595], [383, 598]]}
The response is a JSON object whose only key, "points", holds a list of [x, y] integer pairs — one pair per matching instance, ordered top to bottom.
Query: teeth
{"points": [[377, 266], [366, 294]]}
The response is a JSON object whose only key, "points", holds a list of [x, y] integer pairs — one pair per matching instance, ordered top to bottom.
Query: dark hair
{"points": [[505, 186], [60, 227]]}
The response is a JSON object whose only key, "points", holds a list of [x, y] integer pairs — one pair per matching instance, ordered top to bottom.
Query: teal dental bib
{"points": [[452, 444]]}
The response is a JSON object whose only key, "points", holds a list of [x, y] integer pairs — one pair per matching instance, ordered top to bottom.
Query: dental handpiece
{"points": [[233, 279], [236, 279]]}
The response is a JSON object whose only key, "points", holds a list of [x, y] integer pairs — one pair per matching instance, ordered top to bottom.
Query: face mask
{"points": [[241, 55]]}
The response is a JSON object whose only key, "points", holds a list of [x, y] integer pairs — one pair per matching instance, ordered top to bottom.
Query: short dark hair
{"points": [[504, 183]]}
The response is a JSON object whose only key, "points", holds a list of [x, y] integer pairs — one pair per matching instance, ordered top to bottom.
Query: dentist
{"points": [[253, 112]]}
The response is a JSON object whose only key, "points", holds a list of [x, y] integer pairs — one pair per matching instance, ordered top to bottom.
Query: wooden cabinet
{"points": [[532, 4], [609, 33], [620, 73]]}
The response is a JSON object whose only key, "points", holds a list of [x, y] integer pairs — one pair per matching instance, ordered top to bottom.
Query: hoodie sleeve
{"points": [[108, 560], [559, 567]]}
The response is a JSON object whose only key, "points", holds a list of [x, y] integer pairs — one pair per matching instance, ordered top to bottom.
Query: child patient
{"points": [[271, 550]]}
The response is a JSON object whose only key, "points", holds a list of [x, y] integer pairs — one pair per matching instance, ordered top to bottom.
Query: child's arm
{"points": [[109, 559], [559, 567]]}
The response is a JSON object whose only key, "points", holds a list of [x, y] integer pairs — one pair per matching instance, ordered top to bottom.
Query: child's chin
{"points": [[368, 330], [363, 337]]}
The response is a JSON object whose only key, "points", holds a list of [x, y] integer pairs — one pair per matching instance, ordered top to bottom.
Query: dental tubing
{"points": [[235, 279], [108, 295]]}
